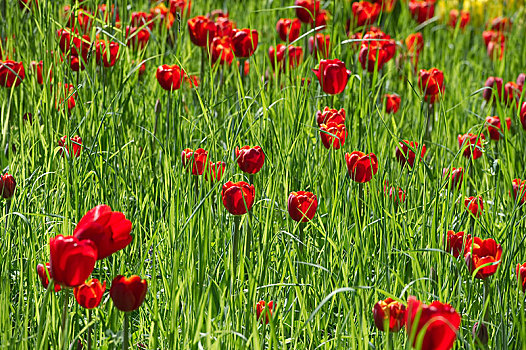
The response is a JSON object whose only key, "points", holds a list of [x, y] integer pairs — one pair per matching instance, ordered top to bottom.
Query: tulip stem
{"points": [[203, 62], [429, 121], [196, 187], [235, 245], [65, 304], [89, 329], [125, 334]]}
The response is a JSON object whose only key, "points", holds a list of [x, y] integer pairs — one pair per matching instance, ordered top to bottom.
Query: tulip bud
{"points": [[7, 186], [480, 333]]}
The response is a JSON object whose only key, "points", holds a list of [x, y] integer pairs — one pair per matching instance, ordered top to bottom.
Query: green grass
{"points": [[354, 255]]}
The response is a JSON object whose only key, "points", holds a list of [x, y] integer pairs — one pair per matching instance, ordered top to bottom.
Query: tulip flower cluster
{"points": [[495, 37]]}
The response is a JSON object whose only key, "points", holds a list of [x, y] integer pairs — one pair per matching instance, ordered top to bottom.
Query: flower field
{"points": [[287, 174]]}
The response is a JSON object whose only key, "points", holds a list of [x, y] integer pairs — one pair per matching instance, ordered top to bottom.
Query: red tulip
{"points": [[23, 4], [387, 5], [179, 6], [307, 10], [422, 10], [365, 12], [161, 14], [109, 16], [322, 17], [453, 18], [81, 19], [139, 19], [501, 24], [224, 27], [288, 29], [202, 30], [137, 38], [244, 42], [414, 44], [495, 44], [75, 47], [321, 47], [221, 50], [282, 53], [373, 54], [107, 56], [36, 68], [11, 73], [332, 75], [170, 77], [521, 78], [192, 80], [431, 83], [493, 87], [512, 92], [67, 93], [392, 103], [330, 115], [523, 115], [494, 127], [333, 135], [76, 144], [474, 144], [405, 152], [196, 159], [250, 159], [360, 166], [216, 171], [456, 176], [7, 185], [519, 190], [396, 195], [238, 197], [475, 205], [302, 206], [108, 230], [455, 242], [479, 252], [71, 261], [43, 271], [521, 275], [128, 293], [89, 294], [264, 311], [389, 312], [433, 326]]}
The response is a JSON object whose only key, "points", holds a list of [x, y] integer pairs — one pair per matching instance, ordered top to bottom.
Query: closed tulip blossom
{"points": [[387, 5], [178, 7], [306, 10], [422, 10], [365, 12], [454, 16], [322, 17], [139, 19], [501, 24], [224, 27], [288, 29], [202, 30], [137, 38], [244, 42], [414, 44], [495, 44], [319, 45], [221, 50], [106, 53], [293, 55], [374, 55], [37, 69], [11, 73], [332, 75], [169, 77], [521, 79], [431, 83], [493, 87], [512, 92], [66, 95], [392, 103], [330, 115], [522, 115], [495, 128], [333, 135], [473, 144], [76, 145], [405, 152], [250, 159], [194, 161], [361, 167], [215, 171], [455, 175], [7, 186], [519, 190], [397, 195], [238, 197], [475, 205], [302, 206], [108, 230], [456, 242], [480, 252], [71, 260], [43, 272], [521, 276], [128, 293], [89, 294], [264, 311], [391, 313], [432, 326]]}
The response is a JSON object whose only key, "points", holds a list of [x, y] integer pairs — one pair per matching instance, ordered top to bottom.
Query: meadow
{"points": [[89, 126]]}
